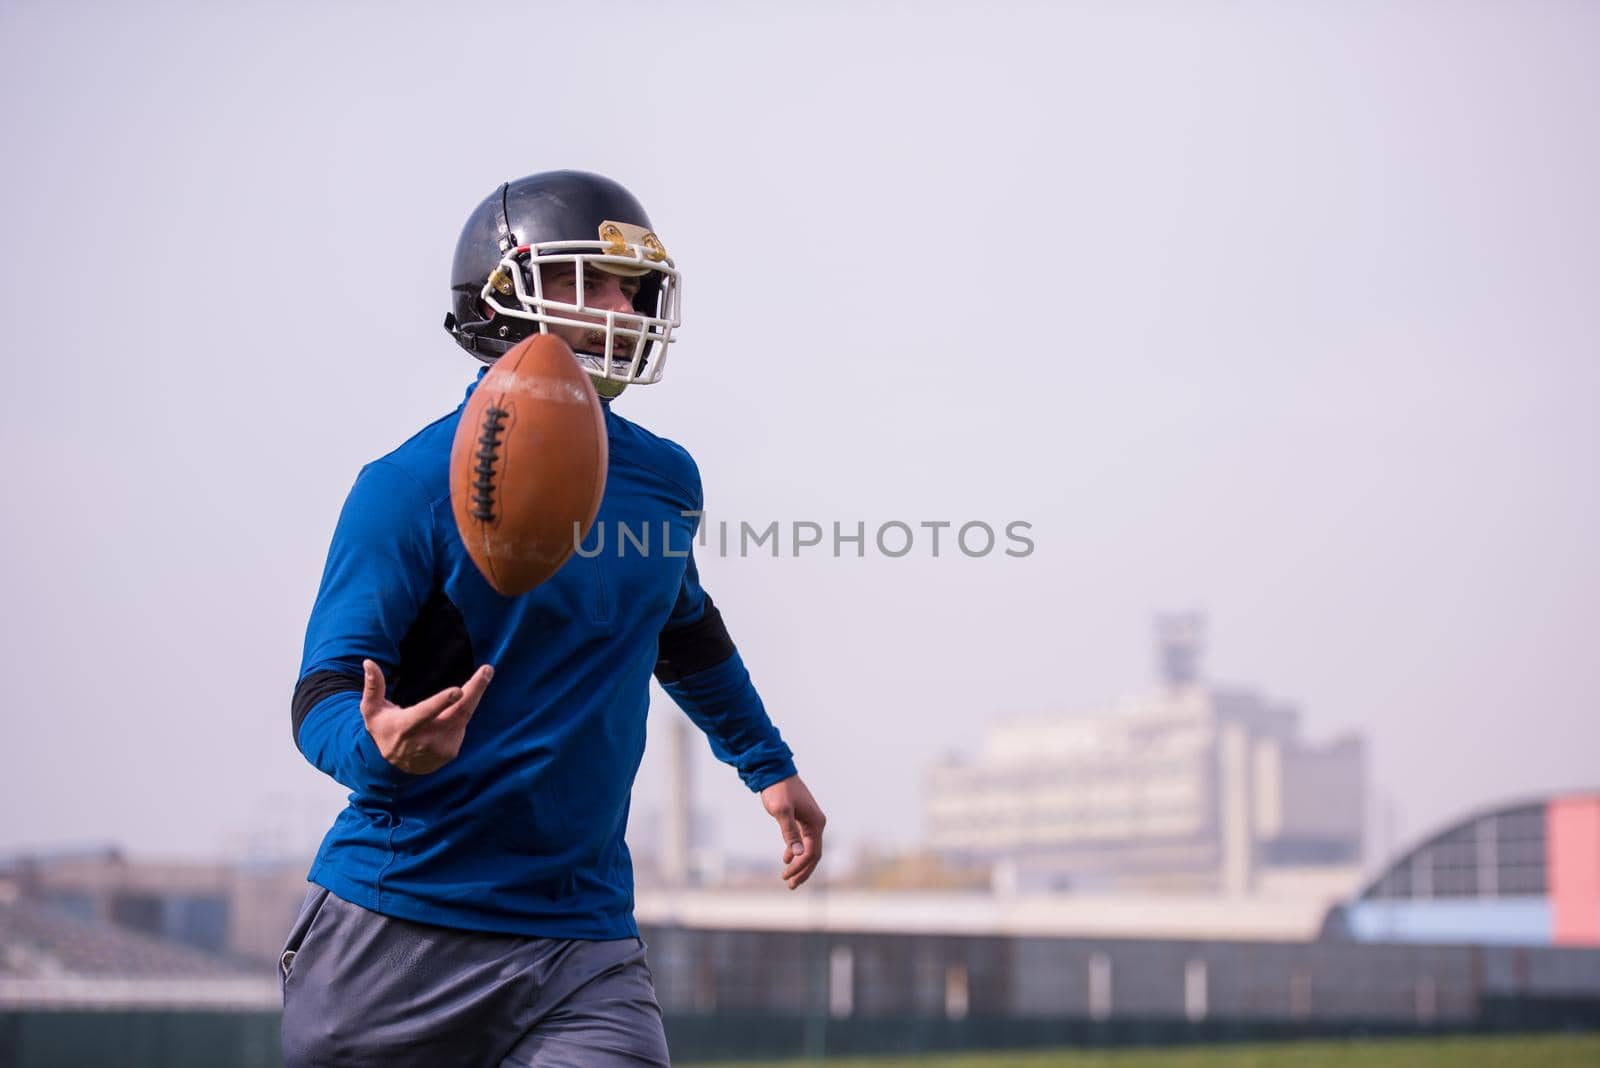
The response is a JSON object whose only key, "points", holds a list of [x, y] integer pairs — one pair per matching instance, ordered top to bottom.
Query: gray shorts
{"points": [[364, 989]]}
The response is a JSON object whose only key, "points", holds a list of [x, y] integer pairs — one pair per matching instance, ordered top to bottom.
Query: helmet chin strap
{"points": [[471, 337]]}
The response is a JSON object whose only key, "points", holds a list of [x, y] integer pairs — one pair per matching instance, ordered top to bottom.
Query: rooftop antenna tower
{"points": [[1180, 639]]}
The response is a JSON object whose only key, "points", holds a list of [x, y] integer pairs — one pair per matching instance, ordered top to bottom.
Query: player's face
{"points": [[601, 289]]}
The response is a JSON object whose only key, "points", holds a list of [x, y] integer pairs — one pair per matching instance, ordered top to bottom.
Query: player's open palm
{"points": [[425, 736]]}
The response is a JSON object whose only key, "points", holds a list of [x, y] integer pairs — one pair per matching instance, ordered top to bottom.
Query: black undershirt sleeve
{"points": [[683, 651], [313, 688]]}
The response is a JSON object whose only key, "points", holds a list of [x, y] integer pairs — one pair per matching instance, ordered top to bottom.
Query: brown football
{"points": [[528, 464]]}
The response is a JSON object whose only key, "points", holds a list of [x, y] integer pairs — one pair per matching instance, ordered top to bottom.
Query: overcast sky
{"points": [[1286, 312]]}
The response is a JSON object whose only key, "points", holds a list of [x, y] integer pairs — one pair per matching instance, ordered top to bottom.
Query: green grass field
{"points": [[1536, 1051]]}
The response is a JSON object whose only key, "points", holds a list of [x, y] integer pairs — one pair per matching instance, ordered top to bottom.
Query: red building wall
{"points": [[1572, 858]]}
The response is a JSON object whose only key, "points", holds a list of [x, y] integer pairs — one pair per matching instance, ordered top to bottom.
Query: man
{"points": [[473, 903]]}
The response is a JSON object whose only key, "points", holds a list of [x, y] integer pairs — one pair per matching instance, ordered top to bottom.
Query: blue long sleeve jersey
{"points": [[523, 832]]}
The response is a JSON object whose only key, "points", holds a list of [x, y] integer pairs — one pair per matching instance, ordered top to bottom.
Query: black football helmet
{"points": [[557, 217]]}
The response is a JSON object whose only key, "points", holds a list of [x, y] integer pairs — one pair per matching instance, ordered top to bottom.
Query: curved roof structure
{"points": [[1519, 874]]}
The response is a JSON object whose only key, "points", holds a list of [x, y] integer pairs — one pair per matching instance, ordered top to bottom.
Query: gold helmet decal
{"points": [[618, 236], [616, 243]]}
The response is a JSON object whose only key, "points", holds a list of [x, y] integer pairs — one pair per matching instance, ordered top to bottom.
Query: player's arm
{"points": [[378, 575], [700, 668]]}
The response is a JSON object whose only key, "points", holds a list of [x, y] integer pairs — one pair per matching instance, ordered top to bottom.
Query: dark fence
{"points": [[770, 995], [46, 1038], [170, 1039]]}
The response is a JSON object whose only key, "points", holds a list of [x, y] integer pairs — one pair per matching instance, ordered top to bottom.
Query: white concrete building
{"points": [[1189, 788]]}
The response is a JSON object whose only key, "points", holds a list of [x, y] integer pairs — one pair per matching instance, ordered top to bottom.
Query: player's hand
{"points": [[427, 735], [801, 820]]}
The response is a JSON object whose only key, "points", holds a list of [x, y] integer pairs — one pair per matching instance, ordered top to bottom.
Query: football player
{"points": [[473, 903]]}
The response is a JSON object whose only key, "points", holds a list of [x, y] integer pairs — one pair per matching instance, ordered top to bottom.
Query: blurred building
{"points": [[1190, 787], [1521, 874], [230, 910], [1491, 924], [50, 959], [742, 974], [79, 991]]}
